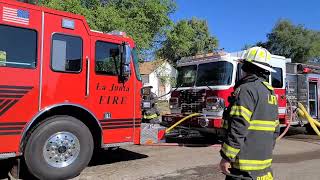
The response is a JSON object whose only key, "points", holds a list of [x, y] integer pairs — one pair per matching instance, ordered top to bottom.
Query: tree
{"points": [[143, 20], [187, 38], [293, 41]]}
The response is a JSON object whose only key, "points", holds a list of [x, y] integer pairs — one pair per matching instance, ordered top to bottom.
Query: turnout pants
{"points": [[252, 175]]}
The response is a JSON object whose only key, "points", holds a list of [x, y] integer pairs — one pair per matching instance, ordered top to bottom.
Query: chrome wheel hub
{"points": [[61, 149]]}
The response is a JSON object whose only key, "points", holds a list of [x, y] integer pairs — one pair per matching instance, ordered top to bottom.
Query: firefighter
{"points": [[150, 114], [251, 121]]}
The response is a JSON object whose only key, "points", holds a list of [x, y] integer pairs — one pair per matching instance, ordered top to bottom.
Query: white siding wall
{"points": [[166, 70], [154, 79], [154, 82]]}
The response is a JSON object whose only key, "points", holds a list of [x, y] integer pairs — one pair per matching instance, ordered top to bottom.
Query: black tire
{"points": [[34, 150]]}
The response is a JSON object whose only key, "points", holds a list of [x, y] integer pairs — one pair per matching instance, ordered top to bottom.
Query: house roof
{"points": [[150, 66]]}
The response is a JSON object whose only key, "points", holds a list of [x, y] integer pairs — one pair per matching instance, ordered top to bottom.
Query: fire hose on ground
{"points": [[301, 112], [304, 113], [181, 121], [289, 122]]}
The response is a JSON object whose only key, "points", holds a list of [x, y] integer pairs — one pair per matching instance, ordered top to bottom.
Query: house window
{"points": [[18, 48], [66, 53], [107, 58], [145, 78]]}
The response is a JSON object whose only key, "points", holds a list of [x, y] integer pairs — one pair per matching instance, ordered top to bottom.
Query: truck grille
{"points": [[192, 101]]}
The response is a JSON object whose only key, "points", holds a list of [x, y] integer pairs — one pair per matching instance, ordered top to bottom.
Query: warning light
{"points": [[68, 24]]}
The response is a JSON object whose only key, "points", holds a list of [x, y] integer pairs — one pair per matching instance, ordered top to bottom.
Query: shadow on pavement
{"points": [[296, 130], [299, 134], [194, 141], [112, 156], [100, 158], [295, 158], [5, 166], [201, 172]]}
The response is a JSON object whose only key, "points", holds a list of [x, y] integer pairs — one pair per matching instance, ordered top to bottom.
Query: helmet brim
{"points": [[264, 67]]}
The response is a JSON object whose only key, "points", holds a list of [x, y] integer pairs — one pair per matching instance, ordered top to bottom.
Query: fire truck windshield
{"points": [[136, 63], [208, 74], [214, 74], [186, 76]]}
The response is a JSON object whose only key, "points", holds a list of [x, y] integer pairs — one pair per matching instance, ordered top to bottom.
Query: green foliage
{"points": [[143, 20], [187, 38], [293, 41], [108, 65], [166, 79]]}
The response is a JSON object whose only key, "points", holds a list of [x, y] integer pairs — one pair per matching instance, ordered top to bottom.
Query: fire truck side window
{"points": [[18, 48], [66, 53], [107, 58], [239, 72], [276, 78]]}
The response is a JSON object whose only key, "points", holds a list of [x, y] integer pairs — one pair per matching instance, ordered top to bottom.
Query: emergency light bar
{"points": [[68, 23], [118, 33], [201, 57]]}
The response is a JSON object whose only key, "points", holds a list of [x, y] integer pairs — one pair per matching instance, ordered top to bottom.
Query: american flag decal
{"points": [[15, 15]]}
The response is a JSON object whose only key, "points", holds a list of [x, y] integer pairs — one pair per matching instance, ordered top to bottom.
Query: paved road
{"points": [[295, 158]]}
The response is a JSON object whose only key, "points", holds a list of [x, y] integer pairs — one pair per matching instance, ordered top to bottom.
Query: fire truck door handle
{"points": [[87, 76]]}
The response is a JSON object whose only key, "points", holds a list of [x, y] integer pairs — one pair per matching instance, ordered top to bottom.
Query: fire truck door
{"points": [[66, 48], [19, 71], [112, 99], [313, 99]]}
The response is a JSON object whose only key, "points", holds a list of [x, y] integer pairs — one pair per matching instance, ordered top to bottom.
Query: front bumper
{"points": [[195, 122]]}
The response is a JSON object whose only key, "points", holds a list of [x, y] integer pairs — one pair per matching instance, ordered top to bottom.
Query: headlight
{"points": [[145, 91], [173, 103], [215, 103], [146, 104], [167, 119], [203, 122]]}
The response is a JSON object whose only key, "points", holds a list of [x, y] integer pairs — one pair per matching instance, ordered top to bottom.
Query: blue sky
{"points": [[239, 22]]}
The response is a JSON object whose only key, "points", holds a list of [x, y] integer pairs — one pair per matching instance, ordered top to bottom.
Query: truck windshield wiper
{"points": [[206, 84], [171, 91]]}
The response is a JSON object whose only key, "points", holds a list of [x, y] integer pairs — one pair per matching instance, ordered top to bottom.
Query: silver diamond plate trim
{"points": [[149, 132], [117, 144], [7, 155]]}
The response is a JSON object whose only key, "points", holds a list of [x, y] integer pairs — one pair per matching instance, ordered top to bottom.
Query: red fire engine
{"points": [[204, 84], [302, 86], [64, 89]]}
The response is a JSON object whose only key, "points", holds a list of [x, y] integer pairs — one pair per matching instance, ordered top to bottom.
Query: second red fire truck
{"points": [[204, 84], [65, 90]]}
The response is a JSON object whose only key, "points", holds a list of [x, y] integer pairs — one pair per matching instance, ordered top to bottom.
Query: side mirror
{"points": [[125, 70]]}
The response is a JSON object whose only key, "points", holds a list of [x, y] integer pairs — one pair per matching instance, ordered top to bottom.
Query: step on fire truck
{"points": [[204, 84], [64, 90]]}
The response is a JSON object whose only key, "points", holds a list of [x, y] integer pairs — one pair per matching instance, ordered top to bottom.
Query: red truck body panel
{"points": [[25, 93]]}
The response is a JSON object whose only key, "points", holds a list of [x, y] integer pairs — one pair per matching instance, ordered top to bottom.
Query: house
{"points": [[160, 75]]}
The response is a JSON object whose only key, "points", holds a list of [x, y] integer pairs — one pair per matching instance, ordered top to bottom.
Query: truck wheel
{"points": [[59, 148]]}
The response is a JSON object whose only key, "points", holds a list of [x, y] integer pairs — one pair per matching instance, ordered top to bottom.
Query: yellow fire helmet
{"points": [[258, 56]]}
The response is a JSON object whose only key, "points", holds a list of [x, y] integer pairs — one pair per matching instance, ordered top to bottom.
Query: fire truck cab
{"points": [[204, 84], [64, 89]]}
